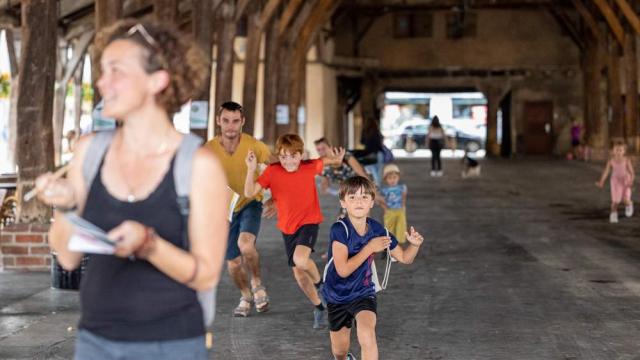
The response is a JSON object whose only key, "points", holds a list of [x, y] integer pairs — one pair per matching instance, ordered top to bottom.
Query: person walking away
{"points": [[436, 139]]}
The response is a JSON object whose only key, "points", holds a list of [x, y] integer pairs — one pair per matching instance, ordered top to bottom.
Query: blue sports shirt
{"points": [[339, 290]]}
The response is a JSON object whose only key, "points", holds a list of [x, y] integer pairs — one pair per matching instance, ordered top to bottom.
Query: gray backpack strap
{"points": [[94, 155], [184, 161], [182, 177], [326, 267]]}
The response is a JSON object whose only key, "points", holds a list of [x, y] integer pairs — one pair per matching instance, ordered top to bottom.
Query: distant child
{"points": [[622, 176], [293, 188], [395, 201], [349, 288]]}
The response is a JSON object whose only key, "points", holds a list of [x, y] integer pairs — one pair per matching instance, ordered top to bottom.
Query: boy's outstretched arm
{"points": [[335, 157], [251, 187], [408, 254], [345, 266]]}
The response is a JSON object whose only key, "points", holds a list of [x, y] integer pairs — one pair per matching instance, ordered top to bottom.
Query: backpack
{"points": [[182, 178], [374, 273]]}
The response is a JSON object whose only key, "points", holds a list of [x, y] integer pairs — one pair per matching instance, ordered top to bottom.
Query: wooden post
{"points": [[166, 11], [106, 13], [320, 14], [612, 20], [202, 30], [224, 58], [251, 66], [286, 70], [270, 81], [13, 96], [631, 96], [59, 97], [78, 98], [35, 100], [616, 129]]}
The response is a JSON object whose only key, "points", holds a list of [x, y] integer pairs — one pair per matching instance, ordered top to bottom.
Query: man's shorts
{"points": [[246, 220], [306, 235], [341, 315]]}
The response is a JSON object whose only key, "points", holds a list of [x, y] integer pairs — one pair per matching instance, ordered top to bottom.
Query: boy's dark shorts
{"points": [[246, 220], [306, 235], [341, 315]]}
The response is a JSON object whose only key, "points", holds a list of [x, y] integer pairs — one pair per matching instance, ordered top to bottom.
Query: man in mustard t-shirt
{"points": [[232, 146]]}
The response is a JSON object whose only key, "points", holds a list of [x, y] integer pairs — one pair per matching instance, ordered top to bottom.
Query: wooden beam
{"points": [[241, 8], [267, 13], [289, 13], [631, 15], [319, 16], [589, 19], [612, 20], [565, 22], [202, 31], [272, 48], [11, 50], [224, 58], [251, 67], [615, 96], [631, 96], [35, 101]]}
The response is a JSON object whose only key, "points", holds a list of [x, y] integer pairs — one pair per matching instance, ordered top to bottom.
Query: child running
{"points": [[622, 176], [293, 187], [395, 202], [349, 289]]}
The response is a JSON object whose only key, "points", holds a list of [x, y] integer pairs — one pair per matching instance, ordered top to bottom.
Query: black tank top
{"points": [[129, 300]]}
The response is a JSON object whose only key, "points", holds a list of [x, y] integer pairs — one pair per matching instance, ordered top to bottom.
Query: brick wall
{"points": [[24, 247]]}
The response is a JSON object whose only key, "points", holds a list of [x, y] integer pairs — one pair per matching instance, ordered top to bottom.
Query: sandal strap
{"points": [[258, 288], [249, 300]]}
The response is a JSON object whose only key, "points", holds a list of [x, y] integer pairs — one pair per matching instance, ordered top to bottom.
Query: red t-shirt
{"points": [[295, 194]]}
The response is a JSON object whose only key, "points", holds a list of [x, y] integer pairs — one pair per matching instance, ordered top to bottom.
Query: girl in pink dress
{"points": [[622, 176]]}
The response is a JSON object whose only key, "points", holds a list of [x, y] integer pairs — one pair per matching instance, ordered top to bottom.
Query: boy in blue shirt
{"points": [[349, 289]]}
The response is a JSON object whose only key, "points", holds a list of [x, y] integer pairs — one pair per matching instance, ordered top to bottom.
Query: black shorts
{"points": [[306, 235], [341, 315]]}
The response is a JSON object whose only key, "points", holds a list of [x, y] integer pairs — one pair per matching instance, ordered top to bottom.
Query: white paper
{"points": [[232, 205], [86, 243]]}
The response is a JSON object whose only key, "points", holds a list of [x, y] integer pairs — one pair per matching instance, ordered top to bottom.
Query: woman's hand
{"points": [[600, 184], [55, 192], [129, 237]]}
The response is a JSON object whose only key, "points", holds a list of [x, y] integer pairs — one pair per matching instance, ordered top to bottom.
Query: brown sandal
{"points": [[262, 302]]}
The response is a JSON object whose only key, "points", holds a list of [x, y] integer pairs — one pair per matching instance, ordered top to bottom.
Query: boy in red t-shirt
{"points": [[293, 187]]}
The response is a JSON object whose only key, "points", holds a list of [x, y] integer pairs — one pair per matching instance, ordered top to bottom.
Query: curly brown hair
{"points": [[165, 48], [289, 142]]}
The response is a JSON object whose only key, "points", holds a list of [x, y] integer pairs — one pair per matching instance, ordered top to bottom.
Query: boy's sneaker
{"points": [[432, 173], [439, 174], [628, 210], [613, 218], [323, 301], [319, 319]]}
